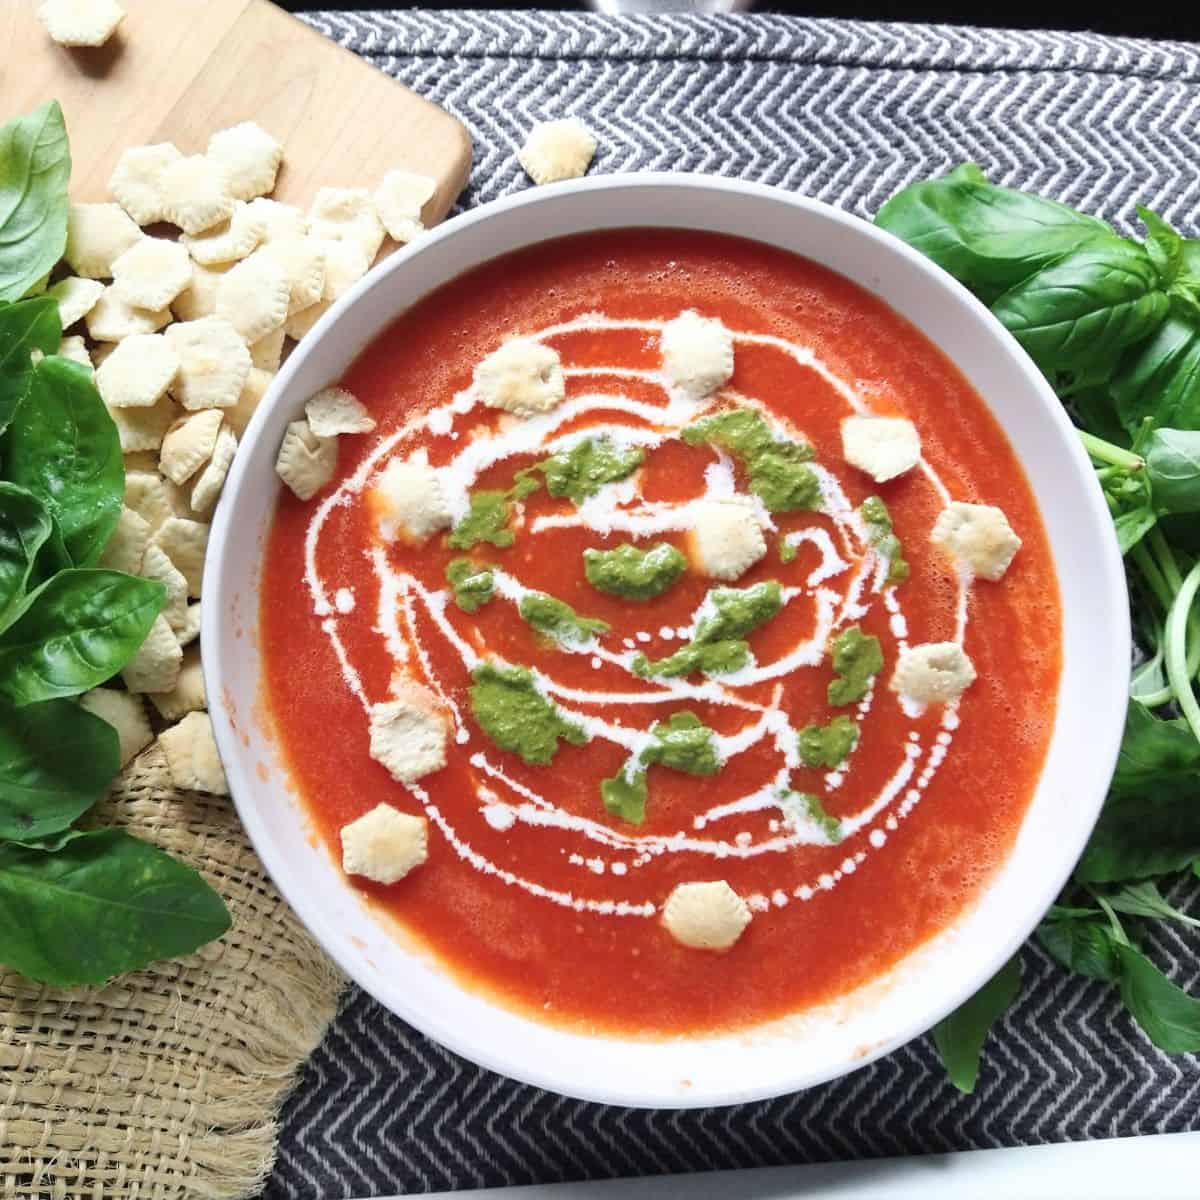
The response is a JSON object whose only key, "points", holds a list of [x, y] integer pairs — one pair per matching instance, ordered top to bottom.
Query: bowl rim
{"points": [[1108, 725]]}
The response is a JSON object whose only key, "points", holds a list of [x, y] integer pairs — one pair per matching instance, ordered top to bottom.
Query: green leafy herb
{"points": [[35, 167], [991, 238], [1163, 245], [1106, 294], [24, 327], [1116, 327], [1160, 378], [63, 446], [775, 467], [581, 471], [1172, 471], [25, 525], [881, 535], [787, 551], [634, 574], [473, 585], [558, 620], [77, 630], [719, 645], [857, 659], [517, 717], [682, 743], [828, 745], [56, 760], [1150, 823], [1145, 900], [96, 904], [74, 907], [1082, 941], [1170, 1017], [959, 1038]]}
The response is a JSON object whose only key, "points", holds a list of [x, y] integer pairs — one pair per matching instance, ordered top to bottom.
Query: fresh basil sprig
{"points": [[35, 166], [1114, 324], [76, 906]]}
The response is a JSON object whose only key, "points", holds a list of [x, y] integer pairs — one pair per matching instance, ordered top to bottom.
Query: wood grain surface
{"points": [[179, 70]]}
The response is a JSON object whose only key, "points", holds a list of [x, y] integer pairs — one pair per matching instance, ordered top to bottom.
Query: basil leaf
{"points": [[35, 167], [988, 237], [1163, 244], [1103, 296], [24, 327], [1161, 378], [63, 446], [1173, 469], [24, 527], [74, 632], [1154, 751], [56, 759], [1150, 823], [1144, 833], [1145, 900], [98, 904], [1084, 945], [1169, 1016], [959, 1037]]}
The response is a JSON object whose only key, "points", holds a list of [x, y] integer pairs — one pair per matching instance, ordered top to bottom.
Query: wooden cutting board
{"points": [[179, 70]]}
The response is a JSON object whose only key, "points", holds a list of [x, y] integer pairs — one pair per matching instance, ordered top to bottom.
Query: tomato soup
{"points": [[636, 699]]}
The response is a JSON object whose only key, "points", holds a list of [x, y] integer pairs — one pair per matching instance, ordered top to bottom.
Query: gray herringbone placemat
{"points": [[849, 113]]}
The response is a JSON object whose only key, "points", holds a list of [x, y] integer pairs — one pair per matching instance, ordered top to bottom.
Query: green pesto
{"points": [[775, 467], [581, 471], [525, 483], [490, 513], [487, 521], [878, 521], [787, 551], [632, 573], [473, 585], [558, 620], [718, 647], [715, 658], [857, 659], [512, 712], [682, 743], [828, 745], [626, 798], [831, 827]]}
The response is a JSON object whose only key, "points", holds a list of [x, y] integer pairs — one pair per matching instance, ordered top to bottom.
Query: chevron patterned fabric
{"points": [[846, 112]]}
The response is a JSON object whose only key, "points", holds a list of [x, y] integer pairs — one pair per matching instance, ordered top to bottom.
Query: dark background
{"points": [[1154, 20]]}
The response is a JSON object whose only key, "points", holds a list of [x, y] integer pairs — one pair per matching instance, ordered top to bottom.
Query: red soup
{"points": [[668, 626]]}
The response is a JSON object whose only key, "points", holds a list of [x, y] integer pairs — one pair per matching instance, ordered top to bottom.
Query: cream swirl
{"points": [[847, 580]]}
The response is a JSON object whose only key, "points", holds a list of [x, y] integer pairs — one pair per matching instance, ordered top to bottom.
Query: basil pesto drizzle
{"points": [[775, 468], [580, 472], [489, 514], [880, 534], [634, 574], [473, 585], [558, 620], [719, 646], [857, 659], [517, 717], [682, 743], [828, 745]]}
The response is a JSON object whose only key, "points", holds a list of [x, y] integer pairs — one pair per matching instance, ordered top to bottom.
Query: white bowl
{"points": [[770, 1059]]}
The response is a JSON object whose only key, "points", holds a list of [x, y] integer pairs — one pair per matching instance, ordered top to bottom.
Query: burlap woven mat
{"points": [[165, 1083]]}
